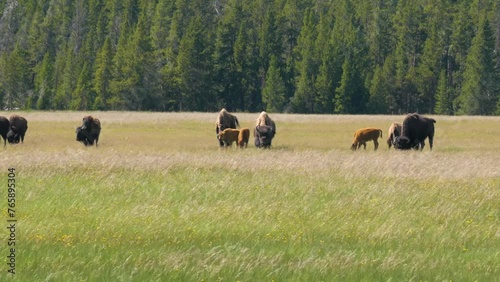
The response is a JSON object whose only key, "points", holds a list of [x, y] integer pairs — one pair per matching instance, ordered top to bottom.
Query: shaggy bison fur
{"points": [[264, 119], [225, 120], [18, 127], [4, 128], [416, 128], [89, 131], [394, 132], [363, 135], [228, 136], [263, 136], [243, 137]]}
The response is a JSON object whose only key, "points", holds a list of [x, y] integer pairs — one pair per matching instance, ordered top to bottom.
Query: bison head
{"points": [[87, 123], [82, 136], [263, 136], [13, 137], [402, 143]]}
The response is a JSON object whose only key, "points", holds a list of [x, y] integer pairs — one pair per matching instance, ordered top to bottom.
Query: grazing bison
{"points": [[225, 120], [18, 127], [4, 128], [416, 128], [89, 131], [264, 131], [394, 132], [363, 135], [228, 136], [243, 137]]}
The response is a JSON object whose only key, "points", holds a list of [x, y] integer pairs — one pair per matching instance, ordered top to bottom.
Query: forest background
{"points": [[298, 56]]}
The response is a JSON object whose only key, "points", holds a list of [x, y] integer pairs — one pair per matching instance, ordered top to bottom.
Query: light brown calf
{"points": [[394, 131], [228, 136], [361, 136], [243, 137]]}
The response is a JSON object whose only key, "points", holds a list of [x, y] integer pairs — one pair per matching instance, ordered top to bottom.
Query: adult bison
{"points": [[225, 120], [18, 127], [4, 128], [416, 128], [89, 131], [264, 131], [394, 131], [363, 135]]}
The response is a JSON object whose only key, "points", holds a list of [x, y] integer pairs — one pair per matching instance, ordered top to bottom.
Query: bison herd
{"points": [[13, 129], [227, 134], [410, 134]]}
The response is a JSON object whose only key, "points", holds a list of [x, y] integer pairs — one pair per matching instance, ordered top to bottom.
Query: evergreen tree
{"points": [[103, 76], [15, 77], [481, 81], [44, 84], [273, 94], [304, 97], [444, 101]]}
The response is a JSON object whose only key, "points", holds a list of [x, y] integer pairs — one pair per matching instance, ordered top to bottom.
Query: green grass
{"points": [[159, 201]]}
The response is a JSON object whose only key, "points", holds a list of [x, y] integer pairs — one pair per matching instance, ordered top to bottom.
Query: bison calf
{"points": [[18, 127], [394, 132], [363, 135], [228, 136], [243, 137]]}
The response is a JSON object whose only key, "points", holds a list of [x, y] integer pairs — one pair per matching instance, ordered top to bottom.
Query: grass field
{"points": [[159, 201]]}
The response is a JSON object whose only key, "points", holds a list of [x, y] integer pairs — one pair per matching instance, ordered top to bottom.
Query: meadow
{"points": [[159, 201]]}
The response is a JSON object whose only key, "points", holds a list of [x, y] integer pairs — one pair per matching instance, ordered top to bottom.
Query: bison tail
{"points": [[433, 120], [236, 121], [380, 130]]}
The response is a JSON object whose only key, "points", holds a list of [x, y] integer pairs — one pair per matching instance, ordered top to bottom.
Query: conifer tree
{"points": [[273, 94]]}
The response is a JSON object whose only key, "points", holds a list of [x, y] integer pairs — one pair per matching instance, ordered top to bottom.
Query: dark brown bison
{"points": [[225, 120], [18, 127], [4, 128], [416, 128], [89, 131], [264, 131], [394, 131], [363, 135], [229, 136], [263, 136], [243, 137]]}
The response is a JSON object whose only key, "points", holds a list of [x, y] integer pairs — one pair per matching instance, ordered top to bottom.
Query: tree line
{"points": [[299, 56]]}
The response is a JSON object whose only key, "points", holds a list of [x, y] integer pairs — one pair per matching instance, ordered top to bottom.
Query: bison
{"points": [[225, 120], [18, 127], [4, 128], [416, 128], [89, 131], [264, 131], [394, 132], [363, 135], [228, 136], [243, 137]]}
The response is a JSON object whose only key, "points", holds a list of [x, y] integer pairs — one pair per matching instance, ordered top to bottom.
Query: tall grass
{"points": [[159, 201]]}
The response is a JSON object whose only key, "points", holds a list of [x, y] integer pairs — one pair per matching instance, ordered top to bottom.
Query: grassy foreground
{"points": [[159, 201]]}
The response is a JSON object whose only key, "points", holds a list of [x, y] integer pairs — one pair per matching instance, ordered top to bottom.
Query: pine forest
{"points": [[294, 56]]}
